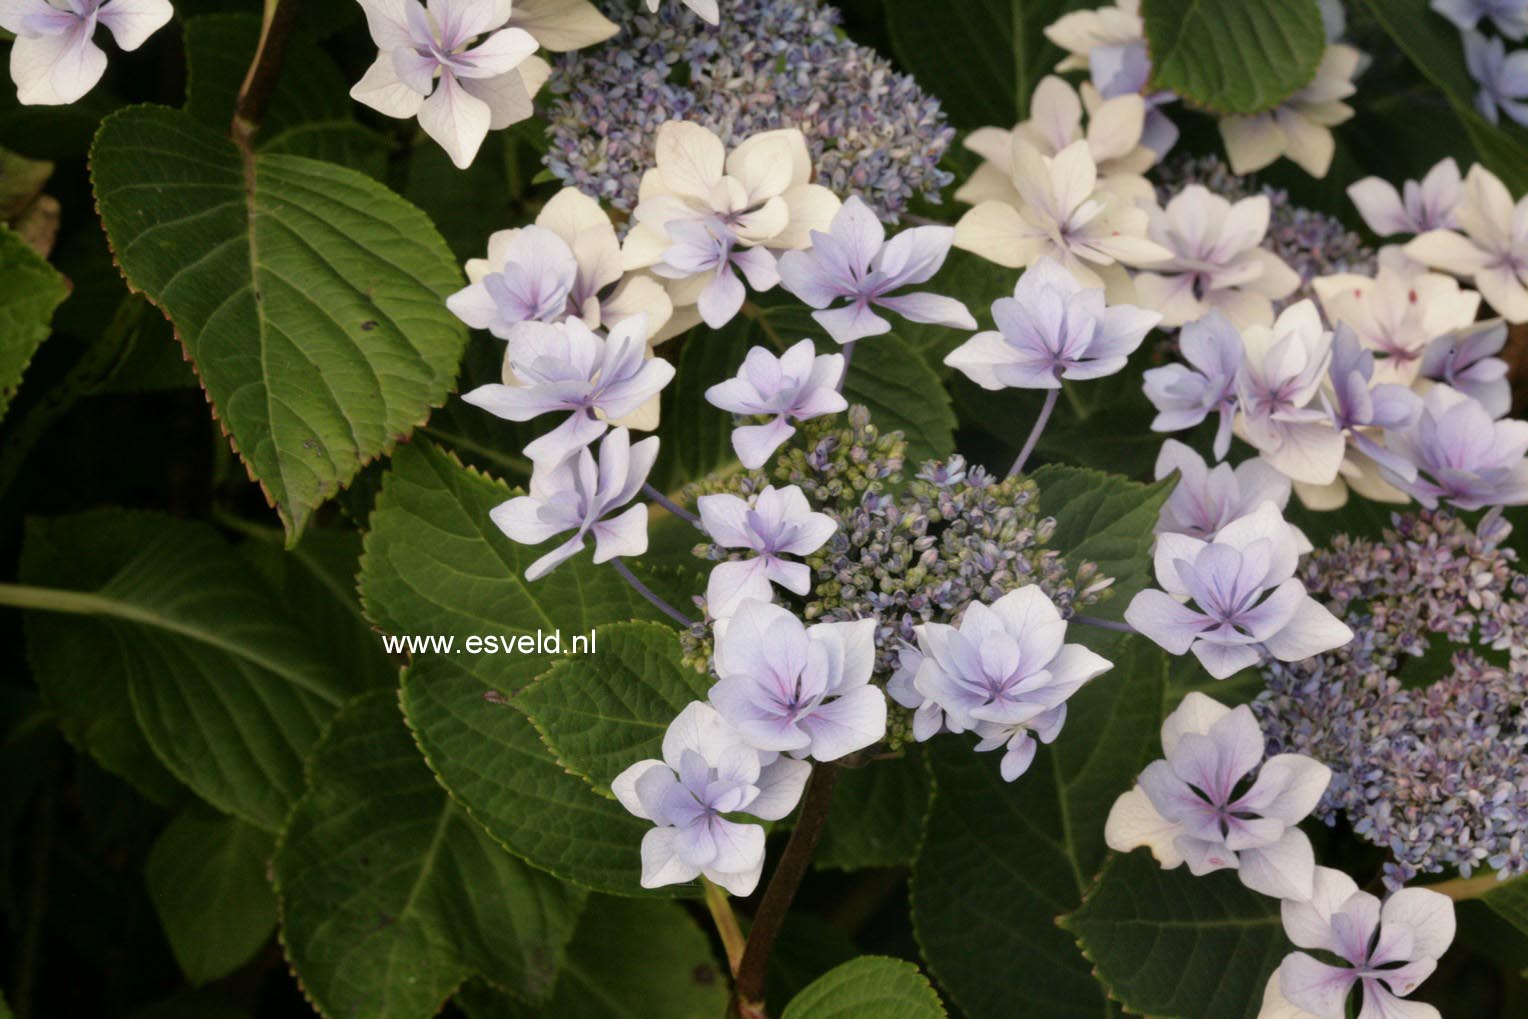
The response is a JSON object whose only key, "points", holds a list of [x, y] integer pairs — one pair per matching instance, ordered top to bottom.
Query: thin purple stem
{"points": [[848, 353], [1034, 433], [669, 504], [646, 592], [1103, 624]]}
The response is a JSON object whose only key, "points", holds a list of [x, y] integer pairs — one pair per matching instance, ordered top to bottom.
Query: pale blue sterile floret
{"points": [[1509, 16], [1502, 77], [854, 262], [1052, 328], [1467, 361], [569, 367], [798, 385], [1186, 394], [1357, 405], [1461, 455], [578, 495], [1206, 499], [774, 524], [1236, 599], [1005, 672], [799, 689], [707, 772], [1215, 803]]}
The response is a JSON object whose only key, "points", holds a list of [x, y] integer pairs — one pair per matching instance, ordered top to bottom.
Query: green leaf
{"points": [[1435, 47], [1242, 57], [985, 58], [310, 112], [30, 290], [310, 298], [902, 392], [1105, 519], [435, 564], [226, 686], [604, 712], [877, 814], [1001, 861], [206, 878], [391, 897], [1509, 900], [1168, 943], [630, 959], [870, 987]]}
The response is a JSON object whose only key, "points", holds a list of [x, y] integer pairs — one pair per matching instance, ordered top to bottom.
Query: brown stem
{"points": [[264, 71], [748, 988]]}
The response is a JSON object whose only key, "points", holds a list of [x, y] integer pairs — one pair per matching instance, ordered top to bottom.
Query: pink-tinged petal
{"points": [[132, 21], [386, 22], [496, 55], [55, 70], [508, 96], [456, 120], [1380, 206], [913, 256], [800, 273], [722, 298], [931, 308], [854, 321], [755, 444], [623, 535], [555, 558], [730, 583], [1165, 621], [1312, 630], [1222, 661], [1196, 713], [847, 723], [780, 785], [627, 787], [1288, 787], [1134, 822], [661, 864], [1284, 870], [1429, 915], [1314, 986], [1381, 1004]]}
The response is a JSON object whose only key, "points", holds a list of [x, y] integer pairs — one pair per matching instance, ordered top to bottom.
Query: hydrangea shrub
{"points": [[682, 509]]}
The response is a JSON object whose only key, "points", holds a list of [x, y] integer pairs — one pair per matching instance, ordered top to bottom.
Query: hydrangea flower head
{"points": [[54, 60], [454, 65], [869, 129], [1428, 204], [1061, 213], [1491, 250], [1218, 260], [853, 261], [568, 265], [1050, 329], [600, 380], [796, 386], [1278, 389], [1185, 395], [1462, 456], [578, 495], [1207, 499], [776, 523], [1233, 600], [1005, 672], [799, 689], [706, 773], [1200, 804], [1386, 949]]}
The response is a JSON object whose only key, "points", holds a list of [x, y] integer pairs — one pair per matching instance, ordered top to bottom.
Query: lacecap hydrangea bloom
{"points": [[870, 130], [797, 386], [773, 525]]}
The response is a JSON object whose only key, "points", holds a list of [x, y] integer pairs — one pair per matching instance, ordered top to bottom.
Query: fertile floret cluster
{"points": [[872, 132], [1428, 750]]}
